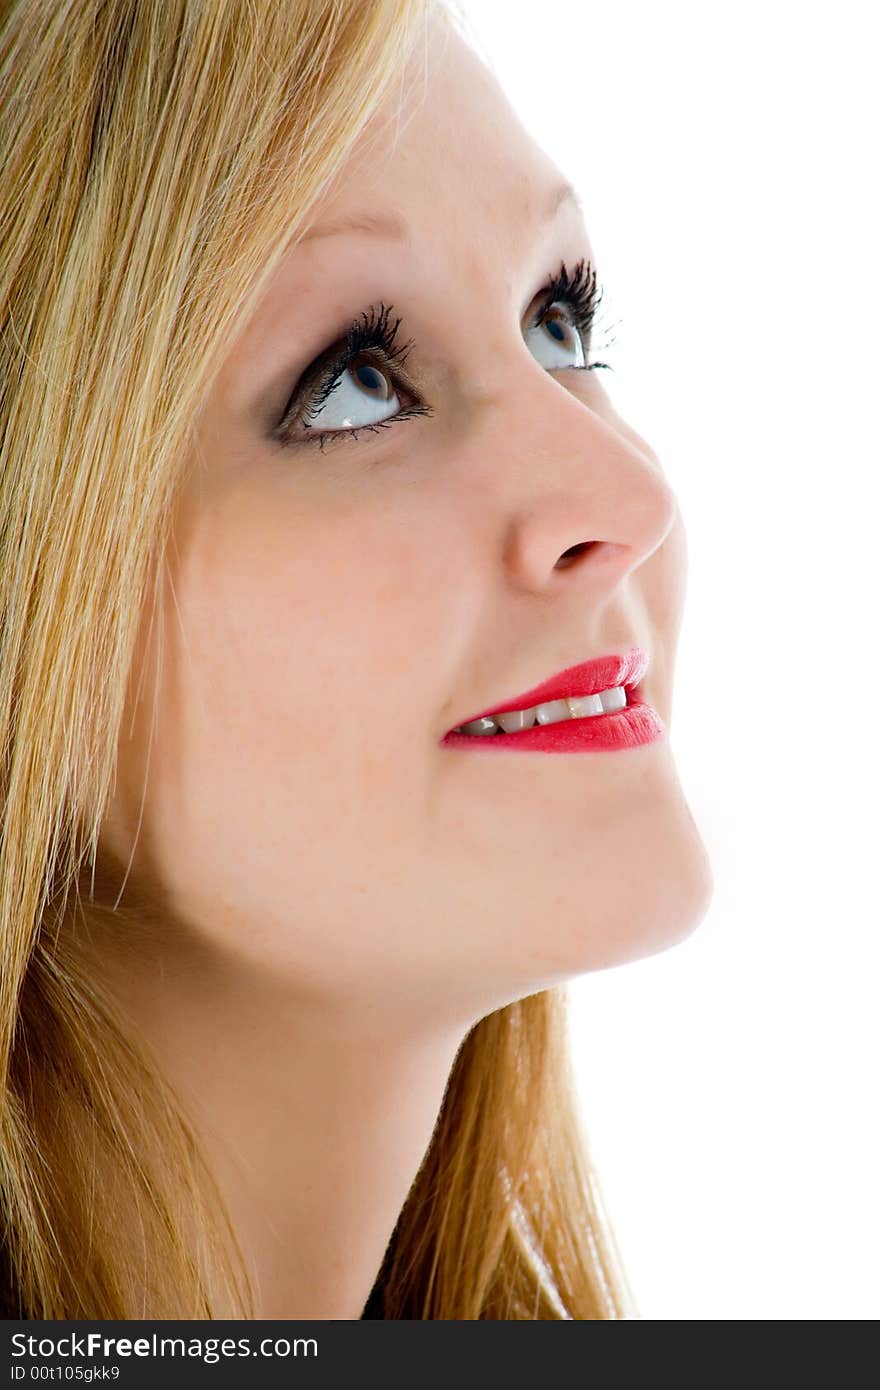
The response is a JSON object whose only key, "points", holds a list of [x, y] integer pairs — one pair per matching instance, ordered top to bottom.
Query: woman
{"points": [[283, 1011]]}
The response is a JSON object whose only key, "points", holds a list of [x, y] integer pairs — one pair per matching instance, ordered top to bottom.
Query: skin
{"points": [[343, 896]]}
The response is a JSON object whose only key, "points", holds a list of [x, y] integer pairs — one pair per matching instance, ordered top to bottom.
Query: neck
{"points": [[315, 1117]]}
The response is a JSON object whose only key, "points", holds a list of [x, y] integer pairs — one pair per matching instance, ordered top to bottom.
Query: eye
{"points": [[555, 335], [553, 339], [353, 385], [361, 396]]}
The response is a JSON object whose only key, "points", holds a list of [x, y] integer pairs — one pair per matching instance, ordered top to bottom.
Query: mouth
{"points": [[588, 691]]}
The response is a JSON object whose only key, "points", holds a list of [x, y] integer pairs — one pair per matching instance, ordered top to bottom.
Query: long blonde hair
{"points": [[156, 157]]}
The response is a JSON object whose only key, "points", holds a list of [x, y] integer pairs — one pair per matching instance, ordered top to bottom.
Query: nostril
{"points": [[572, 553]]}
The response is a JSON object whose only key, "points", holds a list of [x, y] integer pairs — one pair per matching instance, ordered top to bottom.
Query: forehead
{"points": [[445, 152]]}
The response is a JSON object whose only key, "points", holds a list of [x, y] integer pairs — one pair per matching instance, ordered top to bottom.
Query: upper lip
{"points": [[588, 678]]}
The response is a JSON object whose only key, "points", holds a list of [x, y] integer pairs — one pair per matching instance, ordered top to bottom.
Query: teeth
{"points": [[613, 699], [581, 705], [551, 712], [514, 719], [478, 726]]}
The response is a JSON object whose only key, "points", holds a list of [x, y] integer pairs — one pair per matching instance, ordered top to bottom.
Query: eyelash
{"points": [[371, 333]]}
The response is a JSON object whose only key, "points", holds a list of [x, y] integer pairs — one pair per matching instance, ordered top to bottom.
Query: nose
{"points": [[590, 503]]}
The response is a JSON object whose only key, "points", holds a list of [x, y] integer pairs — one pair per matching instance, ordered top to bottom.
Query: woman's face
{"points": [[332, 612]]}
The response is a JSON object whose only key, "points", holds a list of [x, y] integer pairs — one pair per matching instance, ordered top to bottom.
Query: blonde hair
{"points": [[157, 156]]}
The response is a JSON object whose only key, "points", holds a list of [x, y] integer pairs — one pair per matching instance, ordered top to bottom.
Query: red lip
{"points": [[605, 672]]}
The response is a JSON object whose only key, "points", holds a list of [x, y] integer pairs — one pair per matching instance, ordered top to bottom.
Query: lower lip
{"points": [[636, 724]]}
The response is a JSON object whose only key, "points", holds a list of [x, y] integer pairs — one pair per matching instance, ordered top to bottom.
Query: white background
{"points": [[726, 155]]}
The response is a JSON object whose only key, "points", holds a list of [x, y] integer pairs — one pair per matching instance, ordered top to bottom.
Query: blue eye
{"points": [[359, 375]]}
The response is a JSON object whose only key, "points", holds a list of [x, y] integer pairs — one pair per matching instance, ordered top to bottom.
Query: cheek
{"points": [[305, 626], [295, 725]]}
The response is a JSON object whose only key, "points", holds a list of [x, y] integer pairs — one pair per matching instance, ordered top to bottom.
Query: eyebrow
{"points": [[389, 225]]}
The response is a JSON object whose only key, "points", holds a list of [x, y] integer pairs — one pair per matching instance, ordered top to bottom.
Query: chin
{"points": [[645, 889], [666, 900]]}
